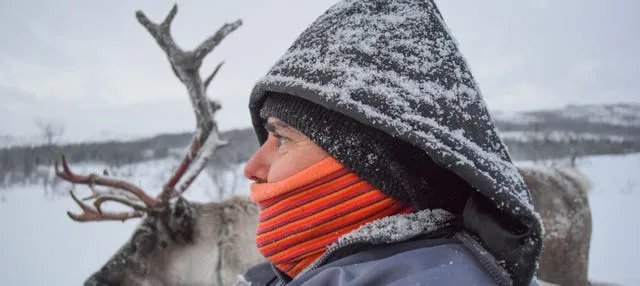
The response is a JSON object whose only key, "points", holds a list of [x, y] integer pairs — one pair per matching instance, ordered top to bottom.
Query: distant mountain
{"points": [[621, 114], [614, 121], [575, 130]]}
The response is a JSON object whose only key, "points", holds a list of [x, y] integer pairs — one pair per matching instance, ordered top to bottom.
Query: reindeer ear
{"points": [[180, 221]]}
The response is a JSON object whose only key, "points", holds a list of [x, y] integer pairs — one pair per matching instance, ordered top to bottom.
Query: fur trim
{"points": [[399, 227]]}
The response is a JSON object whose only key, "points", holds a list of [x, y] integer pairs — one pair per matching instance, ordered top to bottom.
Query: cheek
{"points": [[296, 159], [283, 167]]}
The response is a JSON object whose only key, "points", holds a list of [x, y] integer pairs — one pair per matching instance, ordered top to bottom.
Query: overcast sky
{"points": [[90, 66]]}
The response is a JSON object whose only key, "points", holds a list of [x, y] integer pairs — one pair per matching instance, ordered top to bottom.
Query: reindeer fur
{"points": [[560, 195], [195, 244]]}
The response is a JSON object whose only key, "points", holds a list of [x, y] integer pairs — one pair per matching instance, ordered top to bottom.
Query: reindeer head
{"points": [[161, 250], [146, 258]]}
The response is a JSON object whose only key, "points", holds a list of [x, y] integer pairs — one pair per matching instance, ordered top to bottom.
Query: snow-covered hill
{"points": [[623, 114], [588, 122], [40, 245]]}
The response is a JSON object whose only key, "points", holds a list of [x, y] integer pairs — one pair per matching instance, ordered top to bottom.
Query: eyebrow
{"points": [[269, 127], [275, 127]]}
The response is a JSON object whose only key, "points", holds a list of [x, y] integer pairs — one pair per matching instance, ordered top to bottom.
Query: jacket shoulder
{"points": [[443, 264], [261, 274]]}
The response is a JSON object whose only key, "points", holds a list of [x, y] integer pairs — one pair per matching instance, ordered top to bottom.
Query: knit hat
{"points": [[391, 165]]}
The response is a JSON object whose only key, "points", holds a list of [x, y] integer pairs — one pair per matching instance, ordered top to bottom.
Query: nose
{"points": [[257, 168]]}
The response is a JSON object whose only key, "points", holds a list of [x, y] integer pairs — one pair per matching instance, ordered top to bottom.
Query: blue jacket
{"points": [[426, 248]]}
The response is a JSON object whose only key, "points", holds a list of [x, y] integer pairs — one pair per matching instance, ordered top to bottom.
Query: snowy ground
{"points": [[40, 245]]}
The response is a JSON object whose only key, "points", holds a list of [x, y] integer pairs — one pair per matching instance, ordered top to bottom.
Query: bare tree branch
{"points": [[50, 132]]}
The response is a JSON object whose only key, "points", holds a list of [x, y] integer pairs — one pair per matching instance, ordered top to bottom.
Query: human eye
{"points": [[281, 139]]}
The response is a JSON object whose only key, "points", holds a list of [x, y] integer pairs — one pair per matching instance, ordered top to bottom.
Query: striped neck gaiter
{"points": [[305, 213]]}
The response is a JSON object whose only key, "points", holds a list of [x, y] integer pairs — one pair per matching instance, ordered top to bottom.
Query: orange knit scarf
{"points": [[304, 214]]}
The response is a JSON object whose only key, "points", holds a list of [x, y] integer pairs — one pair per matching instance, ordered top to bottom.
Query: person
{"points": [[379, 163]]}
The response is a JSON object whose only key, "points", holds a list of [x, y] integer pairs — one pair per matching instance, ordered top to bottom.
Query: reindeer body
{"points": [[561, 196], [196, 244]]}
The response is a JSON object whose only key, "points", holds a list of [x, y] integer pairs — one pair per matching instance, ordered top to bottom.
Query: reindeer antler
{"points": [[185, 65]]}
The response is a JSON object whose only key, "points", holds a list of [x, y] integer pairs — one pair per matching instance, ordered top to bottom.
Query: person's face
{"points": [[286, 152]]}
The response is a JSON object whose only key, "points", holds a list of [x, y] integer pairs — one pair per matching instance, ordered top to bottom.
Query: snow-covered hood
{"points": [[394, 65]]}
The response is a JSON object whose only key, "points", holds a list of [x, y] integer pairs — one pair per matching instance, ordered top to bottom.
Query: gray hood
{"points": [[394, 66]]}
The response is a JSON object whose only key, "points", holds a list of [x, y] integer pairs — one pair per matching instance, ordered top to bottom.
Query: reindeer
{"points": [[561, 196], [177, 243], [183, 243]]}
